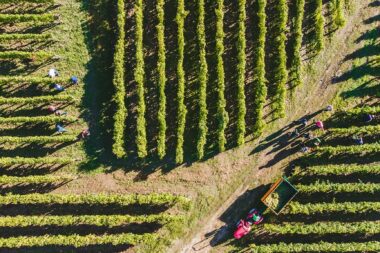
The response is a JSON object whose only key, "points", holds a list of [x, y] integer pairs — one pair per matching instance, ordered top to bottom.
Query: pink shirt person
{"points": [[319, 124]]}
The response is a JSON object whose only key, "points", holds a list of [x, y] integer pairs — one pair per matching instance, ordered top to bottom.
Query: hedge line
{"points": [[27, 18], [319, 25], [25, 36], [11, 55], [296, 60], [241, 67], [161, 68], [280, 72], [202, 79], [32, 80], [260, 81], [118, 82], [35, 100], [182, 110], [222, 115], [37, 119], [38, 139], [141, 141], [9, 161], [94, 220], [75, 240]]}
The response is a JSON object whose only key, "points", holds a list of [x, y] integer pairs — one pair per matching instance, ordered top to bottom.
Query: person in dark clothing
{"points": [[368, 118]]}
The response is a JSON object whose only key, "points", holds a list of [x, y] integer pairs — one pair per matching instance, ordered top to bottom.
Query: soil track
{"points": [[217, 228]]}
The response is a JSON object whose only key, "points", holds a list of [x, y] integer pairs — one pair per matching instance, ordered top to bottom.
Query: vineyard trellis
{"points": [[161, 67], [241, 69], [280, 72], [202, 79], [118, 82], [260, 82], [182, 110], [222, 114], [141, 141]]}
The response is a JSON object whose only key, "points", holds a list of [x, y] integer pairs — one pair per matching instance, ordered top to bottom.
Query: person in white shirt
{"points": [[53, 73]]}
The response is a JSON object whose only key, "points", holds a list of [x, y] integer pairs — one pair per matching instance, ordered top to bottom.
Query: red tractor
{"points": [[282, 191], [244, 226]]}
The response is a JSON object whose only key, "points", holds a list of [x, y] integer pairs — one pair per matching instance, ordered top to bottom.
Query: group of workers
{"points": [[52, 73], [56, 86], [312, 142]]}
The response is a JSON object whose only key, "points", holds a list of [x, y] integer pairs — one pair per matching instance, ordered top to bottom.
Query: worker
{"points": [[53, 73], [74, 80], [57, 87], [52, 108], [329, 108], [55, 110], [60, 113], [368, 118], [304, 122], [319, 124], [60, 128], [294, 133], [84, 134], [308, 135], [358, 140], [316, 141], [304, 149], [256, 217], [246, 226]]}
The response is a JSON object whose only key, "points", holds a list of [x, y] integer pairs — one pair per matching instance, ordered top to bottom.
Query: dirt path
{"points": [[214, 230]]}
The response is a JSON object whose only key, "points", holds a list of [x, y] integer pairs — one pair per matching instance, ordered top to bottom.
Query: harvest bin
{"points": [[284, 191]]}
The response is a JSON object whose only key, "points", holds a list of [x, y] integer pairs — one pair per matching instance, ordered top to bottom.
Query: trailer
{"points": [[279, 195]]}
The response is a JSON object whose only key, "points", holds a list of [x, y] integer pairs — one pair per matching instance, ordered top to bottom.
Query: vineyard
{"points": [[113, 113], [205, 119], [35, 159], [337, 206]]}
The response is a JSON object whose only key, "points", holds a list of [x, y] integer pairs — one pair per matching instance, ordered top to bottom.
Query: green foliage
{"points": [[26, 1], [338, 17], [26, 18], [319, 25], [25, 37], [241, 47], [21, 55], [296, 60], [161, 67], [280, 72], [202, 79], [7, 80], [260, 81], [118, 82], [35, 100], [363, 110], [182, 111], [222, 115], [37, 119], [363, 130], [38, 139], [141, 141], [347, 150], [9, 161], [342, 170], [36, 179], [326, 187], [92, 199], [325, 208], [93, 220], [367, 227], [75, 240], [371, 246]]}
